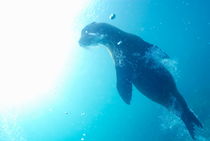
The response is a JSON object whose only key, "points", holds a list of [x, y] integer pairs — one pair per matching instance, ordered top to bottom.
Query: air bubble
{"points": [[112, 16], [120, 42], [83, 114], [84, 134]]}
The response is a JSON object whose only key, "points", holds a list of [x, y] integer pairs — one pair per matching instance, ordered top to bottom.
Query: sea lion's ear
{"points": [[93, 23]]}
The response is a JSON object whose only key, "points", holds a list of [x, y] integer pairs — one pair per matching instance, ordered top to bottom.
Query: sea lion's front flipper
{"points": [[124, 84]]}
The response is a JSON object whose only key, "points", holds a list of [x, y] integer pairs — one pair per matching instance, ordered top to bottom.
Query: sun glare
{"points": [[36, 44]]}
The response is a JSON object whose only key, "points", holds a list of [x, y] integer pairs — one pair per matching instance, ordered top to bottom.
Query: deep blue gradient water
{"points": [[87, 105]]}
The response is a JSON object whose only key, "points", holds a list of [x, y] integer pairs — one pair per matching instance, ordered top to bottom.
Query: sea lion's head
{"points": [[92, 34]]}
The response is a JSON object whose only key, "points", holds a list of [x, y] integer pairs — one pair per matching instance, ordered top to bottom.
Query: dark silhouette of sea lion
{"points": [[136, 65]]}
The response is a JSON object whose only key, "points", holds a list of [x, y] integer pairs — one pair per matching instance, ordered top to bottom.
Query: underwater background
{"points": [[54, 90]]}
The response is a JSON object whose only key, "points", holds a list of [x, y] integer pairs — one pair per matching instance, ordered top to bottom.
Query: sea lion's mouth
{"points": [[86, 42], [83, 43]]}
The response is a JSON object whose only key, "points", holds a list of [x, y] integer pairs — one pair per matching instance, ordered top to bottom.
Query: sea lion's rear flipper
{"points": [[124, 84], [191, 121]]}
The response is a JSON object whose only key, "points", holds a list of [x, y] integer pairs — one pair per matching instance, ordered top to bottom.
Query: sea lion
{"points": [[136, 66]]}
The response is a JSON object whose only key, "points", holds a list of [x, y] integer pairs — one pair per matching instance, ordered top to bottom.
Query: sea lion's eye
{"points": [[86, 32]]}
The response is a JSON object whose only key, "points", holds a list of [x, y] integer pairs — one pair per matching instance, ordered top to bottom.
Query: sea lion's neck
{"points": [[113, 39]]}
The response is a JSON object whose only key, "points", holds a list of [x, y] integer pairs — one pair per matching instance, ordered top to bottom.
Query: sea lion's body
{"points": [[135, 65]]}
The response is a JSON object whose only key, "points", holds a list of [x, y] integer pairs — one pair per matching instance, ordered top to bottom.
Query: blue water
{"points": [[88, 106]]}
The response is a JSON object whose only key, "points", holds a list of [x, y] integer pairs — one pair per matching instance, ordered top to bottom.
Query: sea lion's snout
{"points": [[89, 39], [85, 41], [82, 43]]}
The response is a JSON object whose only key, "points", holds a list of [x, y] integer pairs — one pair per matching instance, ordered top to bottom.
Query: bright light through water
{"points": [[36, 43]]}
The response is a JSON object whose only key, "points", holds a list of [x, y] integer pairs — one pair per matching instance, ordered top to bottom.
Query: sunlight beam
{"points": [[34, 48]]}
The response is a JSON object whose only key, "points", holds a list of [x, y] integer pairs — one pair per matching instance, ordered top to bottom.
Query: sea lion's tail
{"points": [[190, 121]]}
